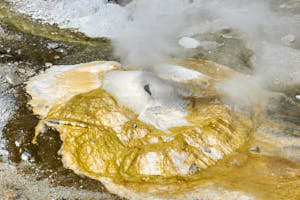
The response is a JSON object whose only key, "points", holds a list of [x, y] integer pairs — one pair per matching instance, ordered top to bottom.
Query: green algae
{"points": [[24, 24]]}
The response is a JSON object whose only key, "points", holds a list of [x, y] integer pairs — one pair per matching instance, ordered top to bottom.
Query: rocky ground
{"points": [[22, 174]]}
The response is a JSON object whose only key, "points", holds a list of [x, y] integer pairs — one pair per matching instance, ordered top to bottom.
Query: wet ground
{"points": [[26, 48], [22, 56]]}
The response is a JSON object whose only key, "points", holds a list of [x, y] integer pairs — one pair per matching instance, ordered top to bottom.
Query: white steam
{"points": [[154, 28], [145, 32], [152, 32]]}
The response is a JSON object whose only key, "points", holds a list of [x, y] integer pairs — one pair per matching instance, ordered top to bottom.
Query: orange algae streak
{"points": [[107, 142], [134, 151]]}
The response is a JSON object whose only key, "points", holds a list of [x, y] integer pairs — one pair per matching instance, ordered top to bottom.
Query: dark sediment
{"points": [[34, 51]]}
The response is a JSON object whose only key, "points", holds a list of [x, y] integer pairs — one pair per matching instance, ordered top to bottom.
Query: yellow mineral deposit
{"points": [[115, 129]]}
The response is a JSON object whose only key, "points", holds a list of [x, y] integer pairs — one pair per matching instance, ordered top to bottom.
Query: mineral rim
{"points": [[116, 128]]}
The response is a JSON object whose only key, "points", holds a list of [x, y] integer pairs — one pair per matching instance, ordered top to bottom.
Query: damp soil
{"points": [[19, 46], [38, 52], [45, 163]]}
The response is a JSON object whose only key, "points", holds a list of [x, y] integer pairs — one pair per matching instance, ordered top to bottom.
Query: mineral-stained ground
{"points": [[35, 171]]}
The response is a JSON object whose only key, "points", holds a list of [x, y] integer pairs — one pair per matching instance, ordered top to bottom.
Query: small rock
{"points": [[1, 31], [226, 36], [188, 43], [52, 45], [8, 50], [61, 50], [19, 51], [56, 57], [48, 64], [22, 71], [30, 72], [12, 79], [134, 125], [17, 143], [206, 149], [254, 149], [4, 152], [25, 156], [32, 160], [193, 169]]}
